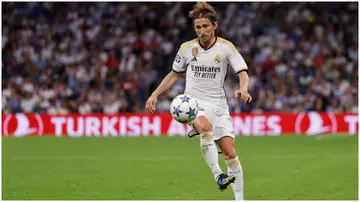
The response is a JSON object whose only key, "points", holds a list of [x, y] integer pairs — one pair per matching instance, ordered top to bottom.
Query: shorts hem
{"points": [[218, 138]]}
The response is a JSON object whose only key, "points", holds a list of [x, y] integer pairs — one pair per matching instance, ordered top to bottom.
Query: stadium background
{"points": [[87, 69]]}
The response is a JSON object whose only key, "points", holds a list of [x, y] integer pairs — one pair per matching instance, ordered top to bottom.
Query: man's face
{"points": [[204, 29]]}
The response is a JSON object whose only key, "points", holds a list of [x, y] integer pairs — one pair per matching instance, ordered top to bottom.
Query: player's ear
{"points": [[215, 26]]}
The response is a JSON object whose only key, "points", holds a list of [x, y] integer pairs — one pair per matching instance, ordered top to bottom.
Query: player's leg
{"points": [[225, 140], [227, 146], [208, 148]]}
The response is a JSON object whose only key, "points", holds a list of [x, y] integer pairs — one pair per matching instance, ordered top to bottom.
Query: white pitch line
{"points": [[155, 158], [166, 158]]}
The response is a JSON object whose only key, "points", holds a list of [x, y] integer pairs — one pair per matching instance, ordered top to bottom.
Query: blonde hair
{"points": [[203, 10]]}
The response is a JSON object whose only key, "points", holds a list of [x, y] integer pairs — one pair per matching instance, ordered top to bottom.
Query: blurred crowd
{"points": [[60, 58]]}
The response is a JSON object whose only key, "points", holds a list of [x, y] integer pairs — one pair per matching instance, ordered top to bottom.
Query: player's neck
{"points": [[208, 44]]}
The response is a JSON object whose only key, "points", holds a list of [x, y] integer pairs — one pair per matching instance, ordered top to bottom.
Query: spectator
{"points": [[107, 57]]}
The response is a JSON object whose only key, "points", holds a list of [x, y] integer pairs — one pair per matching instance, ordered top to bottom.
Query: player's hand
{"points": [[244, 95], [151, 104]]}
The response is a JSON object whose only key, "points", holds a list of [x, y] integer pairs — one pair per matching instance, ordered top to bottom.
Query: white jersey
{"points": [[206, 70]]}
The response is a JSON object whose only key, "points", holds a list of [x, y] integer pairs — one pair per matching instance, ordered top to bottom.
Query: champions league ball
{"points": [[184, 108]]}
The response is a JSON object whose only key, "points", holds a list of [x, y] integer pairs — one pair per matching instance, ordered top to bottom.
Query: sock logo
{"points": [[205, 147]]}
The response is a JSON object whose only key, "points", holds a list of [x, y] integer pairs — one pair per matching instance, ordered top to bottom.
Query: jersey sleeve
{"points": [[235, 59], [179, 62]]}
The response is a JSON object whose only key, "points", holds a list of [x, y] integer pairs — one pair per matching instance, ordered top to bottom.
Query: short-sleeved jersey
{"points": [[206, 70]]}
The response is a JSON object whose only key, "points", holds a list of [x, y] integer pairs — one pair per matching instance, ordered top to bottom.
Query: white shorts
{"points": [[221, 123]]}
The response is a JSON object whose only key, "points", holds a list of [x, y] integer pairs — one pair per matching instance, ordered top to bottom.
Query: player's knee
{"points": [[202, 125], [205, 128], [229, 154]]}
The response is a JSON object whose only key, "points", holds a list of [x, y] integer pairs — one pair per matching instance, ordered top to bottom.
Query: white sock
{"points": [[210, 153], [234, 168]]}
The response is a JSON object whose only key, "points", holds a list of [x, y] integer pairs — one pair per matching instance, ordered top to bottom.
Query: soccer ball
{"points": [[184, 108]]}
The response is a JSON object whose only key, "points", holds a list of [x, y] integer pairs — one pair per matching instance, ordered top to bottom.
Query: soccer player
{"points": [[205, 60]]}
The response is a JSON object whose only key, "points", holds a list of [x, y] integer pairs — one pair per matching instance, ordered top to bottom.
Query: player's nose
{"points": [[202, 31]]}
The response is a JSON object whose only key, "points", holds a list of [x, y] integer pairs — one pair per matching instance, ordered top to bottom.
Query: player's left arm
{"points": [[239, 65], [244, 86]]}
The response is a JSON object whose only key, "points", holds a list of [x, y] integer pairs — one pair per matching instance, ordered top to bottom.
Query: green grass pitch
{"points": [[284, 167]]}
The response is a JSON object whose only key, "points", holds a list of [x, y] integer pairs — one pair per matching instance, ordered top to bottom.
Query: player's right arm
{"points": [[169, 80], [165, 84]]}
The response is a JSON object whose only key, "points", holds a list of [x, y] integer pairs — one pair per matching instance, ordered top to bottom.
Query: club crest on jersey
{"points": [[195, 51], [217, 59]]}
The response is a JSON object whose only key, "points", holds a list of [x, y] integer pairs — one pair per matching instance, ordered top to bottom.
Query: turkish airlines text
{"points": [[245, 124]]}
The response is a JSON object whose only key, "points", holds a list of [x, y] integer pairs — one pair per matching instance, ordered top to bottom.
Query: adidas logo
{"points": [[194, 59]]}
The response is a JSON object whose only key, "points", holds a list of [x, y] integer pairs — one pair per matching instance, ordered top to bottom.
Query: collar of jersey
{"points": [[210, 46]]}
